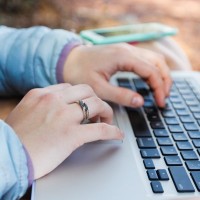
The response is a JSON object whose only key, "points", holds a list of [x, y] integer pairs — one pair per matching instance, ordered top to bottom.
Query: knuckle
{"points": [[87, 89], [34, 92], [48, 98]]}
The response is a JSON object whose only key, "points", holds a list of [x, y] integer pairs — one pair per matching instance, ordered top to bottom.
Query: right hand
{"points": [[48, 122]]}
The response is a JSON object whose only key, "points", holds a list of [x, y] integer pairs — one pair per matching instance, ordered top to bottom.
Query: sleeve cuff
{"points": [[61, 61]]}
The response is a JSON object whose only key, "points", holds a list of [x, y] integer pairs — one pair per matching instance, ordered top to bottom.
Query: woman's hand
{"points": [[94, 65], [48, 122]]}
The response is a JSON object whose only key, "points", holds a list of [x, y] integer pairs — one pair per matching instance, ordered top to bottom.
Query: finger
{"points": [[165, 73], [152, 75], [78, 92], [118, 95], [97, 109], [98, 131]]}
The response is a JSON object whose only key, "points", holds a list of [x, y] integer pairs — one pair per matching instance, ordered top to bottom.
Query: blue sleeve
{"points": [[28, 57], [13, 164]]}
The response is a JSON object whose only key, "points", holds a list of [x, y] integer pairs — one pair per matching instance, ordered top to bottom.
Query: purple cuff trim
{"points": [[61, 61], [30, 168]]}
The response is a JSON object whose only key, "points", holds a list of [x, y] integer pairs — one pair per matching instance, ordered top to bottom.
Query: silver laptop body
{"points": [[111, 170]]}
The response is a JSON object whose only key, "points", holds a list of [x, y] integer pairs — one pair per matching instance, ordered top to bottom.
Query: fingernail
{"points": [[137, 101]]}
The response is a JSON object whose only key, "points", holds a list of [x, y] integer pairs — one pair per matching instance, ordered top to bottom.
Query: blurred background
{"points": [[77, 15]]}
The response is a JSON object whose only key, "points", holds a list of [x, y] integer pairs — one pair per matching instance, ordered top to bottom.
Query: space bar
{"points": [[138, 123]]}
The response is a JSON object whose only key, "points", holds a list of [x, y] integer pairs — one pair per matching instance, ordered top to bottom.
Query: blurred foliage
{"points": [[16, 6]]}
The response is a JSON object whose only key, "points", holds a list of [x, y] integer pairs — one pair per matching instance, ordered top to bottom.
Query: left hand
{"points": [[94, 65]]}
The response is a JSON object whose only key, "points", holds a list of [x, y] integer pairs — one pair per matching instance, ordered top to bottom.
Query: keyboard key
{"points": [[124, 82], [178, 105], [195, 109], [182, 112], [168, 113], [196, 115], [153, 117], [186, 119], [171, 121], [138, 123], [157, 125], [190, 127], [175, 129], [160, 133], [194, 134], [179, 137], [165, 141], [146, 143], [196, 143], [184, 145], [168, 150], [149, 153], [189, 155], [173, 161], [148, 163], [193, 165], [162, 174], [152, 175], [196, 178], [181, 179], [157, 187]]}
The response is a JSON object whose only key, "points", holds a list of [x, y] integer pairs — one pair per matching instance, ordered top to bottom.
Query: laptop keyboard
{"points": [[172, 134]]}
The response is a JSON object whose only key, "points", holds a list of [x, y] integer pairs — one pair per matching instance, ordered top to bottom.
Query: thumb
{"points": [[119, 95]]}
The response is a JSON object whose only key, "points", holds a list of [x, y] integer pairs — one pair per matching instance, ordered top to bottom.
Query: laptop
{"points": [[159, 158]]}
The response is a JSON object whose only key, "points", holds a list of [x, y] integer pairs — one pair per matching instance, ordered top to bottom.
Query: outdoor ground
{"points": [[80, 14]]}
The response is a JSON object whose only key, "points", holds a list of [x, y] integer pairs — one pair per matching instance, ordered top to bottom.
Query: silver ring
{"points": [[85, 110]]}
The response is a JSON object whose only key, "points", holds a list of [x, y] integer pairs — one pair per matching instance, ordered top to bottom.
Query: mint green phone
{"points": [[128, 33]]}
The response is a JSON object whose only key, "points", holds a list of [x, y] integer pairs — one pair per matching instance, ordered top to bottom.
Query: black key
{"points": [[124, 82], [140, 84], [141, 87], [149, 103], [150, 110], [182, 112], [153, 117], [186, 119], [171, 121], [138, 123], [157, 125], [190, 127], [175, 129], [160, 133], [194, 134], [179, 137], [165, 141], [146, 143], [196, 143], [184, 145], [168, 150], [149, 153], [189, 155], [173, 161], [148, 163], [193, 165], [162, 174], [152, 175], [196, 178], [181, 179], [156, 187]]}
